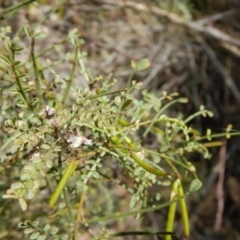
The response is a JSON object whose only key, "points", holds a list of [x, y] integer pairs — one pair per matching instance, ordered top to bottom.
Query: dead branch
{"points": [[199, 26], [220, 191]]}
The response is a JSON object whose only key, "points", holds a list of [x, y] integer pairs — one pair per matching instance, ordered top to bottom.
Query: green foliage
{"points": [[61, 144], [34, 231]]}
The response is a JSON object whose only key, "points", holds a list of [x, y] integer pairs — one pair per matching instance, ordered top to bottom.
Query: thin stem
{"points": [[11, 10], [51, 48], [84, 69], [36, 78], [130, 78], [70, 80], [21, 91], [108, 93], [124, 101], [159, 114], [194, 116], [134, 125], [217, 135], [167, 157], [60, 164], [173, 167], [64, 190], [69, 208], [139, 211], [80, 213], [139, 233]]}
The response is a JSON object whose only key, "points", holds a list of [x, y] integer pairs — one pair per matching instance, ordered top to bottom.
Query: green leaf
{"points": [[27, 30], [73, 32], [39, 35], [74, 40], [15, 42], [8, 43], [18, 49], [5, 60], [16, 63], [134, 64], [141, 65], [22, 76], [138, 85], [14, 91], [183, 100], [34, 101], [21, 105], [210, 114], [35, 120], [9, 123], [45, 146], [14, 149], [57, 149], [36, 160], [49, 164], [29, 168], [42, 172], [95, 174], [25, 176], [36, 184], [196, 184], [17, 185], [31, 194], [133, 201], [23, 204], [62, 205], [35, 223], [23, 224], [46, 228], [28, 230], [53, 230], [34, 235], [42, 237], [64, 237]]}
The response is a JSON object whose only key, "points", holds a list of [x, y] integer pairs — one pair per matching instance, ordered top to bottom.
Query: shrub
{"points": [[65, 148]]}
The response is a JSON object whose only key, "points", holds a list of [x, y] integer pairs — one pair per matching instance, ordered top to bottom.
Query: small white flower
{"points": [[48, 112], [77, 140], [34, 155]]}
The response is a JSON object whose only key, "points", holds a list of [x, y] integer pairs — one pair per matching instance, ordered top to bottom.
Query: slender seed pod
{"points": [[66, 175], [172, 209], [184, 212]]}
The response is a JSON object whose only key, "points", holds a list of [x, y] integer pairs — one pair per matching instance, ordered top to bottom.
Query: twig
{"points": [[218, 16], [213, 32], [231, 48], [220, 191]]}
